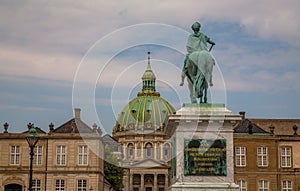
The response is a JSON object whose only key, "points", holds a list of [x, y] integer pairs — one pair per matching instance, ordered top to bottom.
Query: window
{"points": [[148, 148], [166, 151], [130, 154], [15, 155], [61, 155], [83, 155], [240, 156], [262, 156], [286, 157], [37, 159], [242, 184], [36, 185], [60, 185], [82, 185], [263, 185], [286, 185]]}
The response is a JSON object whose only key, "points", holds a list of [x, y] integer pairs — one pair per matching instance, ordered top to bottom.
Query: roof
{"points": [[144, 112], [75, 125], [247, 126], [281, 126]]}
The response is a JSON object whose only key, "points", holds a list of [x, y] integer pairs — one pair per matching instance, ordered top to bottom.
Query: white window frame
{"points": [[15, 154], [38, 154], [61, 155], [83, 155], [240, 156], [262, 156], [286, 157], [242, 184], [36, 185], [60, 185], [82, 185], [263, 185], [287, 185]]}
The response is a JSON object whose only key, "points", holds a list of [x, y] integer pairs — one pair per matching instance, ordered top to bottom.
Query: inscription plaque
{"points": [[205, 157]]}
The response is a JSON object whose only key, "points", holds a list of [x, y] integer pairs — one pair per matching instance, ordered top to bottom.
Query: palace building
{"points": [[267, 154], [64, 158]]}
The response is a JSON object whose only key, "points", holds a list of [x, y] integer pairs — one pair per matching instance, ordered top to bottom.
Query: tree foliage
{"points": [[112, 171]]}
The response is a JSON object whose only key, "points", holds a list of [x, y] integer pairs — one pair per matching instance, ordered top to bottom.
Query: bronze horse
{"points": [[199, 67]]}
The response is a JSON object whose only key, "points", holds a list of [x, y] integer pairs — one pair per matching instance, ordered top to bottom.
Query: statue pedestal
{"points": [[202, 147], [204, 186]]}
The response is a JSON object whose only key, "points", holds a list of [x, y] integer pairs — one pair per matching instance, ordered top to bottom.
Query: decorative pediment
{"points": [[149, 163]]}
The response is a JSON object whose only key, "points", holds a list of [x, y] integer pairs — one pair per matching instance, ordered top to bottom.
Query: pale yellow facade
{"points": [[63, 161]]}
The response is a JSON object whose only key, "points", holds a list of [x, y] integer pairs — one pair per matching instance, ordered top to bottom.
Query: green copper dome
{"points": [[148, 111]]}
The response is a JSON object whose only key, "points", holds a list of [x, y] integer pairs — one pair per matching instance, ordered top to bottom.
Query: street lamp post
{"points": [[32, 138]]}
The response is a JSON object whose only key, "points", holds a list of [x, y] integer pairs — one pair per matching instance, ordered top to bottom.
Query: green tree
{"points": [[112, 172]]}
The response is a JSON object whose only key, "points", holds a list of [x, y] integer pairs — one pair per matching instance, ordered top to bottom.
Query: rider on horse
{"points": [[196, 42]]}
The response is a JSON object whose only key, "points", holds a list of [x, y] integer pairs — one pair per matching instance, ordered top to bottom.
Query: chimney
{"points": [[77, 113], [243, 114]]}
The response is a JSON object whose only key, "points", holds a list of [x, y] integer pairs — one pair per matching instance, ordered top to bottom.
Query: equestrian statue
{"points": [[198, 65]]}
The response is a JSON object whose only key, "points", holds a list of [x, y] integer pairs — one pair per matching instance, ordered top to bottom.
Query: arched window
{"points": [[149, 149], [130, 151], [167, 151]]}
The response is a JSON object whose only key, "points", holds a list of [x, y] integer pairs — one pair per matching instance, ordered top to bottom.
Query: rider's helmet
{"points": [[196, 26]]}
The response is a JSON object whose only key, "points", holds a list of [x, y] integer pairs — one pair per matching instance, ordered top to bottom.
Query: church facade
{"points": [[140, 131]]}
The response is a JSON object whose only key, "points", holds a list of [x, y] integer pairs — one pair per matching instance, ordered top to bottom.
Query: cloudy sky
{"points": [[57, 55]]}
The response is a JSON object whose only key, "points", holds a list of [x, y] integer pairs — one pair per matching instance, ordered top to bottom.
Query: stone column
{"points": [[142, 150], [124, 151], [135, 151], [162, 151], [154, 156], [131, 181], [166, 181], [142, 182], [155, 182]]}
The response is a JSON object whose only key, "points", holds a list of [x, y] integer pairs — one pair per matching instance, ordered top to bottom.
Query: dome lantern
{"points": [[148, 79]]}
